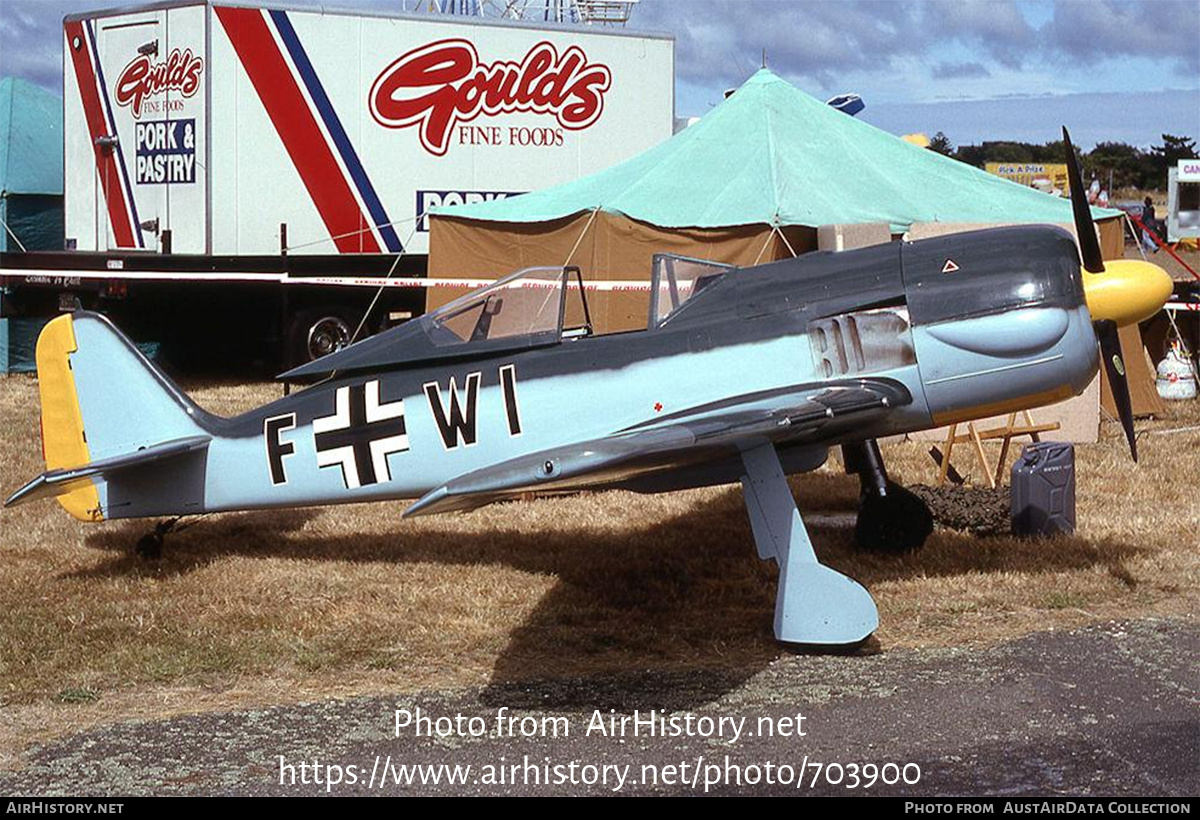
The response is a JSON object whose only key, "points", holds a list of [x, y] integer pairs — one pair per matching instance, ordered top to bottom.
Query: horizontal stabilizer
{"points": [[60, 482]]}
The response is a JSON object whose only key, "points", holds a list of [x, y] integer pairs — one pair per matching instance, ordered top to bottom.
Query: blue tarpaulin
{"points": [[31, 166], [31, 195]]}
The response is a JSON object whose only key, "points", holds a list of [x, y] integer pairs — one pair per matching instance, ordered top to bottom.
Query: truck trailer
{"points": [[249, 173]]}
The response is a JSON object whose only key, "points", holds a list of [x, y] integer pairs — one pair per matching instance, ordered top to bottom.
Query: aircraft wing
{"points": [[796, 415]]}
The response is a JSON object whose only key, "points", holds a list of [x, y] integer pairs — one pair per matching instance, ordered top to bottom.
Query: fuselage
{"points": [[972, 324]]}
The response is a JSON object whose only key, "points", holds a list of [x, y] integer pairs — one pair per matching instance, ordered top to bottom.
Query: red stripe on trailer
{"points": [[294, 122], [106, 164]]}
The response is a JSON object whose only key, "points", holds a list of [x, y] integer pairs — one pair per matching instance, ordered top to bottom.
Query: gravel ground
{"points": [[1107, 710]]}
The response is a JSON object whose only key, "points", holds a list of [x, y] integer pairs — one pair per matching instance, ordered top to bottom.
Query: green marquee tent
{"points": [[771, 154], [31, 167], [751, 181]]}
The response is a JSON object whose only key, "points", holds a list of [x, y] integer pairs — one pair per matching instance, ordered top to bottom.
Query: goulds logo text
{"points": [[142, 79], [444, 83]]}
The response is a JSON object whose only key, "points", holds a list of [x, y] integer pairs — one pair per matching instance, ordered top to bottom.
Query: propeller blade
{"points": [[1089, 245], [1114, 366]]}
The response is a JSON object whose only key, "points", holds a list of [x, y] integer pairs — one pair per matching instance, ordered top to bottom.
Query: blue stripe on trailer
{"points": [[359, 174]]}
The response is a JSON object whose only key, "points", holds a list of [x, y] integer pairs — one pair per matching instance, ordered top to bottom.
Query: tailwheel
{"points": [[891, 519], [150, 545]]}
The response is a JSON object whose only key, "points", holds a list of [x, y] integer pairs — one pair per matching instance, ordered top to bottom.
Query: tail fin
{"points": [[105, 408]]}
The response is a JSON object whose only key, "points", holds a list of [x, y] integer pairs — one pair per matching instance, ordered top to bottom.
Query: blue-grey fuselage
{"points": [[967, 326]]}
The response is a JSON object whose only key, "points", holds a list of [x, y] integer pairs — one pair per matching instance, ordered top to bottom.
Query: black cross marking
{"points": [[360, 434]]}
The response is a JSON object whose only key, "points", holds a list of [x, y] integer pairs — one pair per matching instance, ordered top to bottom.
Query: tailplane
{"points": [[106, 409]]}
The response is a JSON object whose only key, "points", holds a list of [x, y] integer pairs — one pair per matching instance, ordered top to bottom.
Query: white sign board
{"points": [[221, 124], [1189, 170]]}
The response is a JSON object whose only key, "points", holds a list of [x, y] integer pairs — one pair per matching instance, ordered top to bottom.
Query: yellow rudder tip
{"points": [[64, 441]]}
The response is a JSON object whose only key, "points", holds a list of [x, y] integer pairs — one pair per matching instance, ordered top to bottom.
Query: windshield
{"points": [[676, 280], [530, 302]]}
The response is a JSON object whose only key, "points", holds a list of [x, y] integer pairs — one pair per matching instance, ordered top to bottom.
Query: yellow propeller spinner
{"points": [[1126, 291]]}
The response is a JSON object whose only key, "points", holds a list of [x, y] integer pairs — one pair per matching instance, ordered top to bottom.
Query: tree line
{"points": [[1130, 166]]}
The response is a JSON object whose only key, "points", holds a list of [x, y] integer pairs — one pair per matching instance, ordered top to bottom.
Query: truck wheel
{"points": [[316, 333]]}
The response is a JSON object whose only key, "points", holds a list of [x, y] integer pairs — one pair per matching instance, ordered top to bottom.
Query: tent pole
{"points": [[582, 234], [783, 236], [763, 249]]}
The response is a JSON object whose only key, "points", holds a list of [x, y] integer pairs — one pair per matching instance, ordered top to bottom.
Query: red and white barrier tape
{"points": [[60, 277]]}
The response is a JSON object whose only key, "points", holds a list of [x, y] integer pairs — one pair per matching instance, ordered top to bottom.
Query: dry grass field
{"points": [[270, 607]]}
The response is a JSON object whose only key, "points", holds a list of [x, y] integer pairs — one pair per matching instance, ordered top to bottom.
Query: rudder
{"points": [[64, 444]]}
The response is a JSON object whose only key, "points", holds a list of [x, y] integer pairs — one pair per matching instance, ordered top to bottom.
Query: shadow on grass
{"points": [[669, 616]]}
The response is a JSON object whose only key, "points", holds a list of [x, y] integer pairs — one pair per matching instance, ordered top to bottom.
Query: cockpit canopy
{"points": [[534, 304], [534, 307]]}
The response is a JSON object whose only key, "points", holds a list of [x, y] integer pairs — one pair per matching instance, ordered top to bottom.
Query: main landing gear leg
{"points": [[890, 518], [814, 604]]}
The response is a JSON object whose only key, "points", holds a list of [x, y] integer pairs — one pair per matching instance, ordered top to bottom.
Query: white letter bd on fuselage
{"points": [[457, 424]]}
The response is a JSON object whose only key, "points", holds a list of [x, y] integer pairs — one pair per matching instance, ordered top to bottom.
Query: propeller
{"points": [[1089, 244], [1123, 292], [1108, 333]]}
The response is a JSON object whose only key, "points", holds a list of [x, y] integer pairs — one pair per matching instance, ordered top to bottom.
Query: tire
{"points": [[317, 332], [894, 524]]}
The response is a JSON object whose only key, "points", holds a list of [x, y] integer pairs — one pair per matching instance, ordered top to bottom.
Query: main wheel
{"points": [[317, 332], [895, 523]]}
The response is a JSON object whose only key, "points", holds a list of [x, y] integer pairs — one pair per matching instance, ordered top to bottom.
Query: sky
{"points": [[977, 70]]}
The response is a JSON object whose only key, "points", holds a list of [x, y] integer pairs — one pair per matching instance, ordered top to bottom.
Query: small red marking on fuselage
{"points": [[950, 266], [658, 407]]}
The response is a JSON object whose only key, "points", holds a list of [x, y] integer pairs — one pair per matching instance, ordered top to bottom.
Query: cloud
{"points": [[995, 27], [1105, 29], [717, 39], [723, 40], [719, 42], [30, 44], [955, 71]]}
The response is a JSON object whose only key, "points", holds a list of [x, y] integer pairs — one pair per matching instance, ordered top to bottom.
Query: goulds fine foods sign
{"points": [[144, 79], [444, 84], [222, 123]]}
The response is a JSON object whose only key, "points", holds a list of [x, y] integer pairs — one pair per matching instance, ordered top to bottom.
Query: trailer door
{"points": [[129, 51], [110, 76], [146, 121]]}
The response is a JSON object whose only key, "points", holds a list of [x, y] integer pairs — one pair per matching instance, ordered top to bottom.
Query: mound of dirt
{"points": [[978, 510]]}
